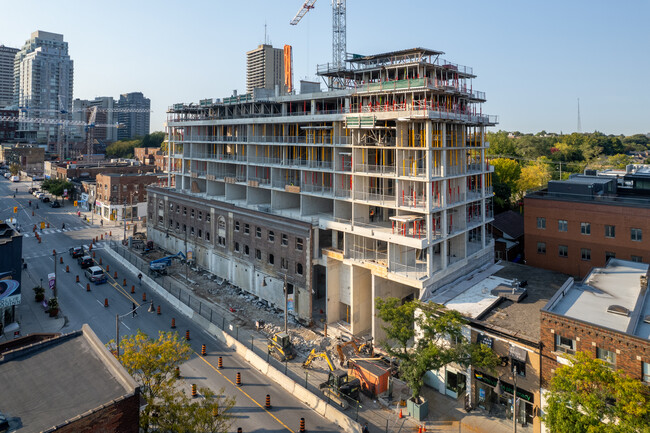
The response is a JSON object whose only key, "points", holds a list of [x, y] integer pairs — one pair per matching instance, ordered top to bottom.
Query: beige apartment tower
{"points": [[264, 68]]}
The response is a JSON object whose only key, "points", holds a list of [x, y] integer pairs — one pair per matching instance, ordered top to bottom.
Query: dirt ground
{"points": [[249, 308]]}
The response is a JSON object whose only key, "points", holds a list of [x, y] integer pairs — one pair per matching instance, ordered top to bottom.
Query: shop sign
{"points": [[485, 340], [505, 387]]}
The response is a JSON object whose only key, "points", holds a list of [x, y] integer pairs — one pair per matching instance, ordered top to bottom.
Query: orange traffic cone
{"points": [[400, 414]]}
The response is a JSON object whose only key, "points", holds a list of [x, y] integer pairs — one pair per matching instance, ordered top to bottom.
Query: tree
{"points": [[154, 139], [500, 144], [619, 161], [14, 169], [508, 171], [534, 176], [57, 187], [440, 340], [152, 363], [589, 396]]}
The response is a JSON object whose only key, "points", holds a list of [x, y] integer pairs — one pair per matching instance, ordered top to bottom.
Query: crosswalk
{"points": [[52, 230], [38, 254]]}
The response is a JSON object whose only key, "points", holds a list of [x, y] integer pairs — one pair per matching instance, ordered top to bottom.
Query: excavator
{"points": [[281, 348], [364, 348], [313, 355], [341, 388]]}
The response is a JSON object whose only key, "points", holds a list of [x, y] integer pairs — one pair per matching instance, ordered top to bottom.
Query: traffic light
{"points": [[15, 209]]}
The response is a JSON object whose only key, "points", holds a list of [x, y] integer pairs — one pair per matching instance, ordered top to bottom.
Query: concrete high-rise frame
{"points": [[7, 56], [390, 173]]}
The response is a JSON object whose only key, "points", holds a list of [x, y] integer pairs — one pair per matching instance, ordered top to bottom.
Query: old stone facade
{"points": [[253, 250]]}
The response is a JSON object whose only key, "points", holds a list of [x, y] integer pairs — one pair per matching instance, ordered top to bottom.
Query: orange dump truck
{"points": [[373, 375]]}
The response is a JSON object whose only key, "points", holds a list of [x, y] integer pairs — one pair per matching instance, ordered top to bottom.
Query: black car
{"points": [[46, 199], [54, 204], [76, 252], [85, 262]]}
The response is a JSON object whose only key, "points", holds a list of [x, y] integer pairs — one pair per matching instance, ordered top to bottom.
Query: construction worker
{"points": [[62, 226], [140, 278]]}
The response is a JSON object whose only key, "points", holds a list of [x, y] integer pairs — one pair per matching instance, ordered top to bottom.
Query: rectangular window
{"points": [[184, 210], [192, 213], [200, 215], [207, 216], [541, 223], [562, 225], [236, 226], [585, 228], [247, 229], [191, 231], [610, 231], [258, 232], [200, 233], [636, 235], [207, 236], [271, 236], [285, 240], [221, 241], [299, 244], [237, 246], [541, 247], [246, 250], [563, 251], [258, 254], [585, 254], [609, 255], [271, 259], [637, 259], [284, 263], [299, 268], [563, 344], [606, 355], [520, 366], [646, 373]]}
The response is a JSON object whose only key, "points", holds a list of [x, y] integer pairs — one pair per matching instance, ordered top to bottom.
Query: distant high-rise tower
{"points": [[7, 55], [264, 68], [43, 79], [81, 109], [133, 123]]}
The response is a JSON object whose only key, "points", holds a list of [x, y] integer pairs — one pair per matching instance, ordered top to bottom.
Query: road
{"points": [[80, 306]]}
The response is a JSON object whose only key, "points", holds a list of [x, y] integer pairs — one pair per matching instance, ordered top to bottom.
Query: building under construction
{"points": [[377, 189]]}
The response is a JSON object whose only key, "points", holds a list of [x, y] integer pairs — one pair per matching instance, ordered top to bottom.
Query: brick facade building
{"points": [[90, 171], [119, 196], [580, 223], [253, 250], [607, 315]]}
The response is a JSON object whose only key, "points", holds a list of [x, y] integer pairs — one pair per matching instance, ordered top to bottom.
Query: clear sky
{"points": [[534, 59]]}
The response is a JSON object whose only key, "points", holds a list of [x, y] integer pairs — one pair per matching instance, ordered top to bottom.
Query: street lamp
{"points": [[497, 390]]}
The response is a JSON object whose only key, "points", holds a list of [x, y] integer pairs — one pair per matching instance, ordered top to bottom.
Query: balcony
{"points": [[375, 169], [317, 190], [383, 199], [416, 272]]}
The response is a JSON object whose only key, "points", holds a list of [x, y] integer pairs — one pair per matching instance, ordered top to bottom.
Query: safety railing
{"points": [[374, 169], [417, 271]]}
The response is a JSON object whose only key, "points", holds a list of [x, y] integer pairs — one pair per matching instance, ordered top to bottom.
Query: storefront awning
{"points": [[518, 353]]}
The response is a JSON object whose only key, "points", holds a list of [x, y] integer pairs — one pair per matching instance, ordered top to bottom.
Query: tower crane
{"points": [[339, 41]]}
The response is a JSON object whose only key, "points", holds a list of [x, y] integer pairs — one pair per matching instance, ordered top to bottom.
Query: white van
{"points": [[15, 178]]}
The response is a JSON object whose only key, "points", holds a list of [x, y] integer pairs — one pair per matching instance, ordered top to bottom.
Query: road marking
{"points": [[119, 288], [100, 302], [125, 325], [245, 393]]}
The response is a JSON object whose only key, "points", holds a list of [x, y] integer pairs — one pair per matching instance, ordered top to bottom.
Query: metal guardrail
{"points": [[253, 340]]}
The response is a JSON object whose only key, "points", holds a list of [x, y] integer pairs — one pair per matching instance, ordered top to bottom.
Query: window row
{"points": [[193, 212], [198, 232], [636, 234], [270, 236], [585, 253], [270, 259], [568, 345]]}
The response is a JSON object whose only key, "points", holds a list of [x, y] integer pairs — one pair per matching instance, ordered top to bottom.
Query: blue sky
{"points": [[533, 59]]}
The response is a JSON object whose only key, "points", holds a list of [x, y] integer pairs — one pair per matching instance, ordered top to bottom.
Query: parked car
{"points": [[31, 190], [45, 199], [55, 204], [76, 252], [85, 262], [96, 275]]}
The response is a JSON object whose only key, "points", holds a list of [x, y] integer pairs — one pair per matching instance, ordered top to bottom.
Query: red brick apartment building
{"points": [[123, 195], [580, 223], [607, 315]]}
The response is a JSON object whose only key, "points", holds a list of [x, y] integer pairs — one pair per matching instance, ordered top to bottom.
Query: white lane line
{"points": [[100, 302], [126, 326]]}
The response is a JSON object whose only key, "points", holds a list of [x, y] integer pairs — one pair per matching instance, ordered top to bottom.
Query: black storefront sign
{"points": [[505, 387]]}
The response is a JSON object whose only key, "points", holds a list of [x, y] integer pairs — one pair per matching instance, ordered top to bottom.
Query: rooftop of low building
{"points": [[505, 295], [614, 297], [48, 383]]}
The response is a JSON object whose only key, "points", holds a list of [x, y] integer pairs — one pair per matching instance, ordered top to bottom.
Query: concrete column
{"points": [[313, 107]]}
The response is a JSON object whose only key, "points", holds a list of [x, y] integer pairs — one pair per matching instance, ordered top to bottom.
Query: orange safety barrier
{"points": [[105, 302], [173, 323]]}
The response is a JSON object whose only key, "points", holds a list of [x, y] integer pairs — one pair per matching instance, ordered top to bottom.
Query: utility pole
{"points": [[124, 218], [54, 288], [286, 303], [514, 400]]}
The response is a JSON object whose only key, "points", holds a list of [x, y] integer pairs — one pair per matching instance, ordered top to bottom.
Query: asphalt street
{"points": [[80, 306]]}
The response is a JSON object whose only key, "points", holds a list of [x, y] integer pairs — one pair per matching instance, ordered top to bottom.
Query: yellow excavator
{"points": [[281, 348], [364, 348], [313, 355]]}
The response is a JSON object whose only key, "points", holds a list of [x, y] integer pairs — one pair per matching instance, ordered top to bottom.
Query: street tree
{"points": [[14, 169], [534, 176], [57, 187], [425, 336], [152, 363], [588, 396]]}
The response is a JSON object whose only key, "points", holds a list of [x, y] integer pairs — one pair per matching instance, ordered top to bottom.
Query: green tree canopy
{"points": [[124, 148], [14, 169], [534, 176], [56, 187], [440, 340], [152, 364], [588, 396]]}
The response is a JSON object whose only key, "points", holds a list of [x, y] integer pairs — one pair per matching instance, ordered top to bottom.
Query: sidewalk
{"points": [[31, 315]]}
